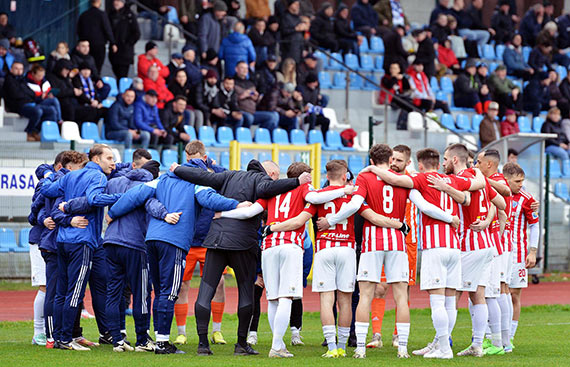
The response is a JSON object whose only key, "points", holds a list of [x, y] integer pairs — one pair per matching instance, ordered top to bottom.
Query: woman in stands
{"points": [[61, 52], [288, 73]]}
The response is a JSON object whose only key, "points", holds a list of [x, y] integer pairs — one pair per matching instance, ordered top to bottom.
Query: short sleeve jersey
{"points": [[386, 200], [281, 208], [522, 216], [495, 225]]}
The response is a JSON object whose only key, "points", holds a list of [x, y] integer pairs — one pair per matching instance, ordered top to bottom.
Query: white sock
{"points": [[510, 299], [470, 306], [451, 308], [271, 311], [440, 320], [39, 321], [494, 321], [505, 321], [281, 322], [479, 322], [216, 326], [514, 326], [488, 328], [181, 329], [361, 329], [403, 329], [295, 331], [329, 331], [253, 333], [343, 334], [162, 338]]}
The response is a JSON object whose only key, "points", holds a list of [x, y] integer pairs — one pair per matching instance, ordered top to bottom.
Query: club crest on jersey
{"points": [[515, 204], [534, 215], [321, 284], [292, 289]]}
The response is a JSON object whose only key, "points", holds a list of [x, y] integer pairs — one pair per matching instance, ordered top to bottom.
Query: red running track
{"points": [[17, 305]]}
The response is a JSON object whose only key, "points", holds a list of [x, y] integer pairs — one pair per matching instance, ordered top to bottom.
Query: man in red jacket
{"points": [[146, 60]]}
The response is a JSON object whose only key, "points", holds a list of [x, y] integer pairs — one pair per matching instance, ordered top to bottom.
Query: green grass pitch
{"points": [[543, 339]]}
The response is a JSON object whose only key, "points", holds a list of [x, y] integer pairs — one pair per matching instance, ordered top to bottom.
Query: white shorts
{"points": [[395, 264], [505, 264], [38, 266], [282, 268], [440, 268], [474, 268], [334, 269], [519, 276], [493, 282]]}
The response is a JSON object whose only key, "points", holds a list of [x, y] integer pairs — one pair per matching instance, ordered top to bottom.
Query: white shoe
{"points": [[252, 338], [296, 340], [376, 341], [395, 341], [79, 347], [123, 347], [148, 347], [428, 348], [471, 351], [282, 353], [359, 353], [403, 354], [438, 354]]}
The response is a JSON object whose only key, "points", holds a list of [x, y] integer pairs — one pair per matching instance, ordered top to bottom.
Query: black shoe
{"points": [[124, 335], [106, 339], [351, 341], [324, 343], [62, 346], [167, 348], [204, 350], [246, 350]]}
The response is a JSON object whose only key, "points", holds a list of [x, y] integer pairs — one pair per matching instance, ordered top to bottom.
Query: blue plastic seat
{"points": [[376, 44], [364, 46], [499, 51], [489, 52], [526, 52], [321, 56], [351, 60], [334, 62], [366, 63], [379, 63], [492, 67], [562, 72], [325, 81], [339, 81], [356, 81], [111, 82], [124, 84], [434, 84], [446, 84], [371, 85], [107, 103], [447, 121], [462, 122], [476, 122], [524, 124], [537, 124], [90, 130], [190, 131], [50, 133], [225, 135], [243, 135], [206, 136], [262, 136], [280, 136], [316, 136], [298, 137], [334, 141], [154, 154], [128, 155], [213, 155], [169, 156], [265, 156], [340, 157], [245, 158], [225, 160], [284, 161], [324, 164], [355, 164], [561, 190], [7, 239], [24, 239], [24, 247]]}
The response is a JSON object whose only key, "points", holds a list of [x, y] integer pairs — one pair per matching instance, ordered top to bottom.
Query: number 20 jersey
{"points": [[386, 200]]}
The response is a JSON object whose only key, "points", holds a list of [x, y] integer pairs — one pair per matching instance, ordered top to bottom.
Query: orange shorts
{"points": [[412, 250], [195, 255]]}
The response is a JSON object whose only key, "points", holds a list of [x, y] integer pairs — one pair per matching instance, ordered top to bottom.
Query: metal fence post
{"points": [[346, 102], [370, 131], [546, 210]]}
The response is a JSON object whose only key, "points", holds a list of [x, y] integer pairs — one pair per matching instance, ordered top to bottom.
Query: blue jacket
{"points": [[363, 15], [529, 28], [234, 48], [514, 60], [9, 61], [193, 72], [120, 116], [146, 117], [90, 182], [177, 195], [38, 202], [130, 229], [307, 257]]}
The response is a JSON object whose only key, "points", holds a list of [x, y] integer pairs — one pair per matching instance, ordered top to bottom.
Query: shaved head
{"points": [[272, 169]]}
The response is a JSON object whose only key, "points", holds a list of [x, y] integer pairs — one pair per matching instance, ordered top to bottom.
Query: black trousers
{"points": [[98, 52], [120, 71], [244, 265], [258, 292], [296, 319]]}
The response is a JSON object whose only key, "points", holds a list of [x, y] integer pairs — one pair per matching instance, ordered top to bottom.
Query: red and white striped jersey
{"points": [[386, 200], [279, 209], [522, 216], [411, 219], [435, 233], [341, 234], [504, 245]]}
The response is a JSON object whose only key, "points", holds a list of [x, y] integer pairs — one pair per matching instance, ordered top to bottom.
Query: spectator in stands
{"points": [[442, 7], [305, 8], [233, 9], [257, 9], [188, 10], [548, 12], [391, 14], [153, 15], [365, 18], [563, 22], [469, 23], [502, 23], [531, 24], [93, 25], [211, 28], [322, 28], [273, 29], [440, 29], [7, 30], [292, 32], [126, 33], [548, 36], [348, 39], [262, 40], [458, 43], [236, 47], [394, 51], [61, 52], [426, 52], [80, 55], [446, 57], [6, 59], [514, 59], [146, 60], [212, 62], [176, 63], [308, 66], [192, 69], [288, 73], [266, 76], [483, 80], [155, 82], [396, 83], [179, 85], [138, 87], [42, 88], [62, 88], [466, 88], [565, 88], [504, 91], [422, 94], [556, 94], [536, 96], [247, 97], [90, 98], [21, 99], [222, 102], [314, 103], [289, 109], [174, 117], [147, 120], [120, 124], [510, 125], [490, 128], [558, 147], [512, 156]]}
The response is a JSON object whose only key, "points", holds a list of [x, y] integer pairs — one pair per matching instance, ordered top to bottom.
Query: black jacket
{"points": [[93, 25], [503, 25], [287, 28], [322, 28], [342, 28], [126, 32], [439, 33], [266, 39], [394, 51], [426, 55], [77, 59], [537, 60], [265, 79], [462, 85], [565, 88], [16, 92], [535, 92], [550, 127], [250, 185]]}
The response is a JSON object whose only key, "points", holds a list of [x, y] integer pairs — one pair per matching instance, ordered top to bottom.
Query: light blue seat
{"points": [[376, 44], [364, 46], [499, 51], [489, 52], [526, 52], [321, 56], [351, 60], [334, 62], [366, 63], [379, 63], [492, 67], [562, 72], [325, 81], [339, 81], [356, 81], [111, 82], [124, 84], [434, 84], [446, 84], [371, 85], [107, 103], [447, 121], [476, 122], [463, 123], [524, 124], [537, 124], [90, 130], [191, 132], [50, 133], [225, 135], [243, 135], [206, 136], [262, 136], [280, 136], [316, 136], [298, 137], [334, 141], [154, 154], [128, 155], [213, 155], [169, 156], [265, 156], [338, 156], [246, 157], [225, 160], [284, 161], [324, 164], [355, 164], [555, 171], [561, 190], [7, 239], [24, 240]]}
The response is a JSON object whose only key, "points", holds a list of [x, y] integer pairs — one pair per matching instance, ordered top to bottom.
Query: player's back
{"points": [[521, 216]]}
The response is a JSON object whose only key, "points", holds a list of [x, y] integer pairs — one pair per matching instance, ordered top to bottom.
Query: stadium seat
{"points": [[376, 44], [364, 46], [499, 50], [489, 52], [526, 52], [321, 56], [351, 60], [334, 62], [366, 63], [379, 63], [492, 67], [562, 72], [325, 80], [339, 81], [356, 81], [111, 82], [124, 84], [434, 84], [446, 84], [371, 85], [107, 103], [447, 121], [415, 122], [462, 122], [476, 122], [524, 124], [537, 124], [70, 131], [90, 131], [190, 131], [50, 133], [206, 135], [225, 135], [243, 135], [262, 136], [280, 136], [316, 136], [298, 137], [452, 139], [334, 141], [471, 142], [154, 154], [128, 155], [213, 155], [169, 156], [265, 156], [340, 157], [245, 158], [225, 160], [284, 161], [324, 164], [355, 164], [566, 168], [555, 171], [323, 182], [561, 190], [24, 238], [7, 240]]}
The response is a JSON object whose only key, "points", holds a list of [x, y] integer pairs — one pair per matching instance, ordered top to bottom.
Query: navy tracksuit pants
{"points": [[50, 258], [166, 263], [127, 266], [98, 288]]}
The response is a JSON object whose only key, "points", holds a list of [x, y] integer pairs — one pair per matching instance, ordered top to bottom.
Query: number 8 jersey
{"points": [[386, 200]]}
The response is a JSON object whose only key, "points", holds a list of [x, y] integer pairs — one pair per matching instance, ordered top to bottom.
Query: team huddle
{"points": [[477, 230]]}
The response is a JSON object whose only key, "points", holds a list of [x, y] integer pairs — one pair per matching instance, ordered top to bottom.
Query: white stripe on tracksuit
{"points": [[85, 266], [178, 269], [144, 292]]}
